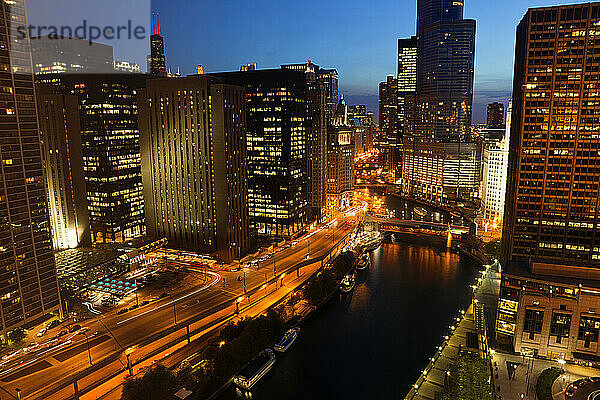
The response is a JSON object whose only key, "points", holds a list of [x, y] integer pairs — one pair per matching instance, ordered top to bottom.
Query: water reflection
{"points": [[372, 343]]}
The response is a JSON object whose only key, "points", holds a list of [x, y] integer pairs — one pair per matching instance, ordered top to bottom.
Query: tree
{"points": [[17, 335], [158, 383]]}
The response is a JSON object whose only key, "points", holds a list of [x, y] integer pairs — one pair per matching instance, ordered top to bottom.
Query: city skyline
{"points": [[370, 41]]}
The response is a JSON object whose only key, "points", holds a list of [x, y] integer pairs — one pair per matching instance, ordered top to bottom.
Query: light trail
{"points": [[217, 280]]}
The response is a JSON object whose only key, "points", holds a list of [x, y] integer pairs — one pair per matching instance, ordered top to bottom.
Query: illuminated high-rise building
{"points": [[158, 65], [248, 67], [445, 72], [329, 78], [407, 79], [388, 107], [495, 116], [105, 117], [278, 119], [316, 139], [62, 151], [340, 161], [194, 164], [28, 281], [550, 289]]}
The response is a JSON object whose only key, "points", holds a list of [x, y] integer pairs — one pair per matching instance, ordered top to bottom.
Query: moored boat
{"points": [[363, 262], [347, 284], [287, 340], [255, 369]]}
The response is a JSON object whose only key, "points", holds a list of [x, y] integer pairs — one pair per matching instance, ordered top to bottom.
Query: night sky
{"points": [[356, 37]]}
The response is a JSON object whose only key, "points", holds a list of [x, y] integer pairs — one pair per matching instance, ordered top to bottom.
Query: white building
{"points": [[495, 168]]}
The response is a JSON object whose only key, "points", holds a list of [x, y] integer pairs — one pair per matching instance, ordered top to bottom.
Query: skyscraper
{"points": [[158, 66], [445, 71], [329, 78], [407, 79], [319, 92], [388, 106], [440, 110], [495, 116], [105, 119], [278, 119], [62, 149], [340, 161], [194, 164], [28, 282], [550, 287]]}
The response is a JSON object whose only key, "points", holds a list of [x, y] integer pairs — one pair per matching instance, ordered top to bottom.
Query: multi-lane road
{"points": [[35, 372]]}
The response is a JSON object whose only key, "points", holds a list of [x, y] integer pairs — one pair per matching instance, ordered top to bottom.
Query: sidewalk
{"points": [[526, 373]]}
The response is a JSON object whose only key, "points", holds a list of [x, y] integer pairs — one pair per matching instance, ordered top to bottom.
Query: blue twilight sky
{"points": [[356, 37]]}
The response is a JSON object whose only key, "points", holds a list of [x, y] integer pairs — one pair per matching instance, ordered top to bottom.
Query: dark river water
{"points": [[373, 343]]}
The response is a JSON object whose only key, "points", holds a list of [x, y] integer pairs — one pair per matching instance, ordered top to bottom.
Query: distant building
{"points": [[60, 54], [158, 64], [126, 66], [248, 67], [200, 70], [329, 78], [407, 80], [388, 107], [495, 116], [105, 118], [278, 121], [362, 123], [340, 162], [194, 164], [439, 171], [493, 185], [28, 282], [550, 289]]}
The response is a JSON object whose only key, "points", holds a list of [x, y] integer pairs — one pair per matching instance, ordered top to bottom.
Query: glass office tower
{"points": [[28, 282]]}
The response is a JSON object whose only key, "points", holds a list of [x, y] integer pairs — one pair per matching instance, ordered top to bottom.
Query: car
{"points": [[240, 278], [143, 303], [133, 307], [122, 311], [52, 324], [74, 328], [85, 329], [41, 332], [62, 333]]}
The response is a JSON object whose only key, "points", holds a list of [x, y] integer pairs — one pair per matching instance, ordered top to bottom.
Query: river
{"points": [[373, 343]]}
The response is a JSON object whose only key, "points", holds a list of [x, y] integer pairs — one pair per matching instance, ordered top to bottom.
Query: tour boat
{"points": [[420, 211], [363, 262], [347, 284], [287, 340], [255, 369]]}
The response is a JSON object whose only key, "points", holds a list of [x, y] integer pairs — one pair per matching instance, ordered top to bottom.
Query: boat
{"points": [[420, 211], [363, 262], [347, 284], [287, 340], [255, 369]]}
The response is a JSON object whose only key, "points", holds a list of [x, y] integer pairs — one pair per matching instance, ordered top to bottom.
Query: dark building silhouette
{"points": [[158, 66], [495, 116], [194, 164], [28, 282]]}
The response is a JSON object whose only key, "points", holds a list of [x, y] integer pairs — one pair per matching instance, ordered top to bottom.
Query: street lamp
{"points": [[88, 346], [128, 352], [18, 393]]}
